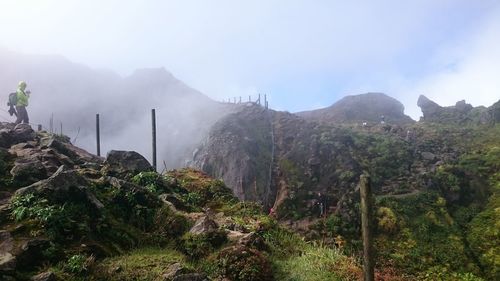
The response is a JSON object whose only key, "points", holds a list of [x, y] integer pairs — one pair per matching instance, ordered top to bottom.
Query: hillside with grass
{"points": [[66, 214], [70, 215]]}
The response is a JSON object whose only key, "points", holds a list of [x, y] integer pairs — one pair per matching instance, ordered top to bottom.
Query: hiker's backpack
{"points": [[12, 99]]}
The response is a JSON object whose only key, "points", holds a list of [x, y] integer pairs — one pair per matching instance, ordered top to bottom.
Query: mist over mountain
{"points": [[73, 94]]}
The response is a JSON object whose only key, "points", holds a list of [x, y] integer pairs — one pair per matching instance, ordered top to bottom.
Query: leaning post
{"points": [[153, 125], [98, 135], [366, 225]]}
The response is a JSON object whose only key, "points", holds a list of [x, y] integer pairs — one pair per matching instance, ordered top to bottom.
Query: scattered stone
{"points": [[22, 133], [5, 139], [428, 156], [28, 170], [62, 185], [204, 225], [235, 236], [253, 240], [7, 262], [174, 270], [45, 276], [191, 277]]}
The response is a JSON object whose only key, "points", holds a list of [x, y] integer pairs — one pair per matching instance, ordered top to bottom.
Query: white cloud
{"points": [[467, 70]]}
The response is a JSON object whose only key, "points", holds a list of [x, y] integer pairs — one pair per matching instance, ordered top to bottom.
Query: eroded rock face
{"points": [[239, 150], [126, 162]]}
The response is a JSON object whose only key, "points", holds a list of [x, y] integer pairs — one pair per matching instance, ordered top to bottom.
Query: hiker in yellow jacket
{"points": [[22, 103]]}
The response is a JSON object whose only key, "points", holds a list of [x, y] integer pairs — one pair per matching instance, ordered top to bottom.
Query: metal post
{"points": [[249, 99], [259, 99], [240, 100], [265, 100], [153, 123], [61, 129], [98, 135], [366, 225]]}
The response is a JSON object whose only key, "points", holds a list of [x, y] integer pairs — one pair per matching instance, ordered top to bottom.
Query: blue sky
{"points": [[303, 54]]}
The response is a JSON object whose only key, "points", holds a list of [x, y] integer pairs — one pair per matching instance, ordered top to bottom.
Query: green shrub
{"points": [[152, 181], [55, 219], [387, 220], [169, 224], [283, 243], [196, 246], [240, 263], [317, 263], [79, 264]]}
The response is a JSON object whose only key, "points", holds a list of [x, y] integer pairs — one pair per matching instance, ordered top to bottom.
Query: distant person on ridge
{"points": [[22, 103], [321, 204]]}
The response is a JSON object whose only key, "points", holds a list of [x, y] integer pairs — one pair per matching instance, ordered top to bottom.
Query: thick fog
{"points": [[304, 54], [71, 95]]}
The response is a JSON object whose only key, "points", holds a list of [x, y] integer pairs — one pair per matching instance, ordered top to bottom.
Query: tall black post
{"points": [[153, 123], [98, 135]]}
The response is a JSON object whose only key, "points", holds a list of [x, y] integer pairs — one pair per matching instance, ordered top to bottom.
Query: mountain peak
{"points": [[368, 107]]}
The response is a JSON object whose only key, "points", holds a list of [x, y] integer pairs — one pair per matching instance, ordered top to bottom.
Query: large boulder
{"points": [[123, 163]]}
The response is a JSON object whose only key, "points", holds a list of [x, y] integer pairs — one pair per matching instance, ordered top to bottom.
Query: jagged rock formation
{"points": [[369, 107], [460, 113]]}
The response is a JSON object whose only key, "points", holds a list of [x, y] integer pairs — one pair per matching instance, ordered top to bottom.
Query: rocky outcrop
{"points": [[369, 107], [460, 113], [239, 150], [63, 184]]}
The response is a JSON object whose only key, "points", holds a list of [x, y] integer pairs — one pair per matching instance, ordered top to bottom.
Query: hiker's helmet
{"points": [[22, 85]]}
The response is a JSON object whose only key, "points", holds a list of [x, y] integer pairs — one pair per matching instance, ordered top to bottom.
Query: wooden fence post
{"points": [[366, 226]]}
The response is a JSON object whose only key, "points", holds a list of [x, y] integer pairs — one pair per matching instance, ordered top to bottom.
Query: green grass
{"points": [[315, 263], [140, 264]]}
